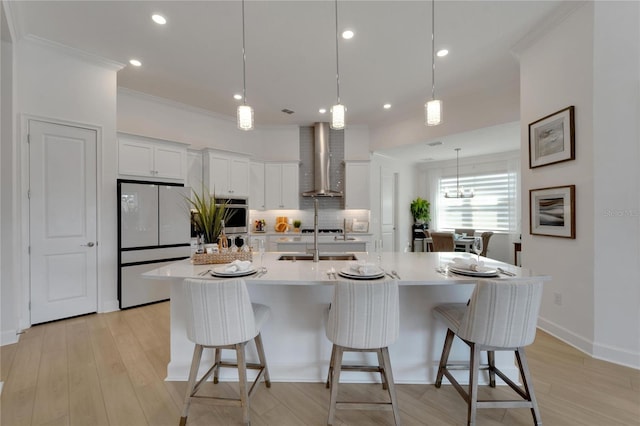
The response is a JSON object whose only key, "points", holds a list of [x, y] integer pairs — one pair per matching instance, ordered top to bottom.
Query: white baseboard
{"points": [[110, 306], [8, 337], [603, 352]]}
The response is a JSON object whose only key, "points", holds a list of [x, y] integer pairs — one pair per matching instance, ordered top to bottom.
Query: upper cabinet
{"points": [[151, 158], [194, 171], [226, 174], [256, 186], [281, 189], [356, 194]]}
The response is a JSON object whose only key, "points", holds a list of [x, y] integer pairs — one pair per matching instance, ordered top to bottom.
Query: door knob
{"points": [[89, 244]]}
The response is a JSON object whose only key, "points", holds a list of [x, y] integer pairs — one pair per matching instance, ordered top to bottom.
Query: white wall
{"points": [[586, 64], [53, 82], [155, 117], [617, 181], [8, 291]]}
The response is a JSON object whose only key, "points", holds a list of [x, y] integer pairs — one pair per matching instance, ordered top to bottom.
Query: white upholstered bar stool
{"points": [[221, 316], [500, 316], [363, 317]]}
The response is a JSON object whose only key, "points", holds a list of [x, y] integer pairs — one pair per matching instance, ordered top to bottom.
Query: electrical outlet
{"points": [[557, 299]]}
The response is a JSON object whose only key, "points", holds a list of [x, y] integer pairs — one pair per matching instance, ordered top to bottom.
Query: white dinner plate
{"points": [[464, 271], [220, 272], [348, 273]]}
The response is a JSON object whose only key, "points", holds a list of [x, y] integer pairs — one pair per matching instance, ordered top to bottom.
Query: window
{"points": [[492, 207]]}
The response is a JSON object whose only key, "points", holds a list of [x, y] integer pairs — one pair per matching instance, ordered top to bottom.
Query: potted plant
{"points": [[420, 209], [207, 215], [296, 225]]}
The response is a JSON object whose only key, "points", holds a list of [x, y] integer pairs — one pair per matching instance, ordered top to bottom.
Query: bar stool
{"points": [[221, 316], [500, 316], [363, 317]]}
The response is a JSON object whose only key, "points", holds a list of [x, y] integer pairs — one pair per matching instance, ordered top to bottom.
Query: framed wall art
{"points": [[552, 139], [552, 211]]}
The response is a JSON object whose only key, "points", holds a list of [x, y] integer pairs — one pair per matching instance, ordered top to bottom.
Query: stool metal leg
{"points": [[444, 358], [491, 358], [263, 359], [195, 365], [382, 367], [474, 369], [216, 371], [330, 372], [335, 380], [242, 383], [391, 385], [528, 385]]}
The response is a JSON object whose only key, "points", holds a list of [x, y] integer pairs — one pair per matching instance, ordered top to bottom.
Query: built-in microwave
{"points": [[238, 211], [238, 217]]}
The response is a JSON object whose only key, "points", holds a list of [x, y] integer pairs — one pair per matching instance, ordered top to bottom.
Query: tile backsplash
{"points": [[327, 217]]}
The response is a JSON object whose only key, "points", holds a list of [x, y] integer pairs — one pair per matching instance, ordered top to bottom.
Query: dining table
{"points": [[299, 292]]}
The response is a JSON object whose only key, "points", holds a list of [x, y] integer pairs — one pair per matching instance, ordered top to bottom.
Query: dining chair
{"points": [[468, 231], [427, 235], [486, 236], [443, 241], [221, 316], [364, 316], [500, 316]]}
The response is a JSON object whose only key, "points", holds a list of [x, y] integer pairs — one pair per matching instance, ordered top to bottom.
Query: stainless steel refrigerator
{"points": [[154, 230]]}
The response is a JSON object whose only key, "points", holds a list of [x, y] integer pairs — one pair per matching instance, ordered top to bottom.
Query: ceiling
{"points": [[196, 58]]}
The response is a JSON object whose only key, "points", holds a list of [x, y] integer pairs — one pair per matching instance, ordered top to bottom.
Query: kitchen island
{"points": [[298, 293]]}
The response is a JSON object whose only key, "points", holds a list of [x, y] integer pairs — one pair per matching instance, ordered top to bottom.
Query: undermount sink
{"points": [[305, 256]]}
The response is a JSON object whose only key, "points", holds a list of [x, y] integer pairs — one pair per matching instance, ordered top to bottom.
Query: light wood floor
{"points": [[108, 369]]}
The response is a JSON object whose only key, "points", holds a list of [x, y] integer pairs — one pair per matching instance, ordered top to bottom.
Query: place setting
{"points": [[469, 267], [237, 268], [362, 271]]}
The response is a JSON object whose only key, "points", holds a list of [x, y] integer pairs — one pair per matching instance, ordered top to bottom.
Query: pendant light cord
{"points": [[433, 50], [337, 57], [244, 60]]}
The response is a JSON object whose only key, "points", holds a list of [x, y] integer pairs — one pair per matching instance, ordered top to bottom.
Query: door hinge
{"points": [[28, 138], [29, 194], [29, 250], [29, 304]]}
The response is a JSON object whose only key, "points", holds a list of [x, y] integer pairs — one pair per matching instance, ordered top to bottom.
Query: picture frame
{"points": [[552, 138], [552, 211]]}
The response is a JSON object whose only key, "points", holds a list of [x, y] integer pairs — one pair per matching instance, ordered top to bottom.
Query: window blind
{"points": [[492, 207]]}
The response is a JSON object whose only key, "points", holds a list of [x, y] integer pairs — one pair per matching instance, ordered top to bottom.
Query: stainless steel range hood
{"points": [[321, 164]]}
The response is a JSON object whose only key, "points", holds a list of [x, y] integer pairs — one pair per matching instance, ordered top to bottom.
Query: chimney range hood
{"points": [[321, 164]]}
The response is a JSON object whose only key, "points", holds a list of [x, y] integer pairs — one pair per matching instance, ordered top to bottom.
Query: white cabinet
{"points": [[151, 158], [194, 171], [226, 174], [256, 186], [281, 189], [356, 194]]}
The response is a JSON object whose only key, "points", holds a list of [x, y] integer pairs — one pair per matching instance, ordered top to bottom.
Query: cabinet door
{"points": [[135, 158], [170, 162], [194, 172], [218, 175], [239, 177], [256, 186], [273, 186], [357, 186], [290, 188]]}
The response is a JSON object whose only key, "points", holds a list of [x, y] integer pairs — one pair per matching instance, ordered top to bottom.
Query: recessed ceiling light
{"points": [[159, 19], [347, 34], [442, 52], [135, 62], [237, 96], [386, 106], [322, 110], [436, 143]]}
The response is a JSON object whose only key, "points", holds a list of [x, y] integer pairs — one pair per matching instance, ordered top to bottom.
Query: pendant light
{"points": [[433, 108], [338, 111], [245, 112], [460, 192]]}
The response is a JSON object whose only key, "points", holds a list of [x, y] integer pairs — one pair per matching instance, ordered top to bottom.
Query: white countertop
{"points": [[413, 269]]}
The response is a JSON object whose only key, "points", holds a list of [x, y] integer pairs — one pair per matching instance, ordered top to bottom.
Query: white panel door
{"points": [[387, 209], [62, 220]]}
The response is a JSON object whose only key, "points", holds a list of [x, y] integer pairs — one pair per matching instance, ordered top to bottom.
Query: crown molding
{"points": [[545, 25], [76, 53]]}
